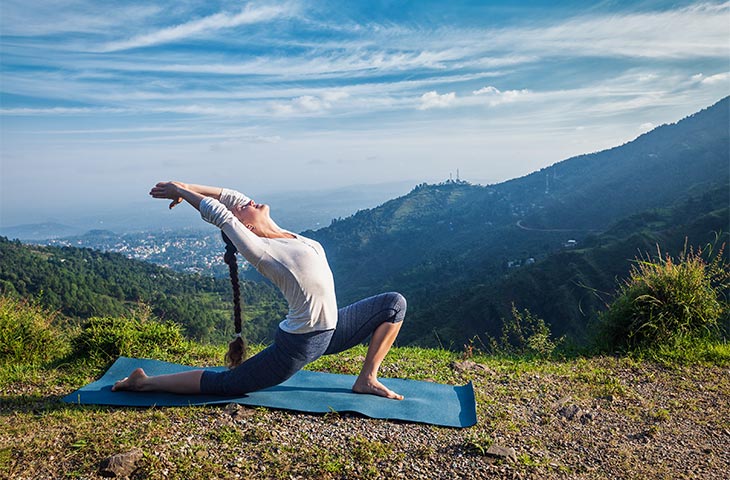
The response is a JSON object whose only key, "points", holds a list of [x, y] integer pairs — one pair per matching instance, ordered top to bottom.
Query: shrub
{"points": [[666, 300], [524, 334], [28, 335], [105, 338]]}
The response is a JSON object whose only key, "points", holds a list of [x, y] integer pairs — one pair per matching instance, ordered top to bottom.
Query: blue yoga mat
{"points": [[316, 392]]}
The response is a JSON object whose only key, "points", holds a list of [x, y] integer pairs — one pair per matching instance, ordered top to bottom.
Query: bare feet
{"points": [[134, 382], [374, 387]]}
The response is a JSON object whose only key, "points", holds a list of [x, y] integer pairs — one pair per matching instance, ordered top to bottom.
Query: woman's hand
{"points": [[169, 190]]}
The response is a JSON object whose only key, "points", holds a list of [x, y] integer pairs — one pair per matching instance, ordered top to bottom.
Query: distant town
{"points": [[189, 251]]}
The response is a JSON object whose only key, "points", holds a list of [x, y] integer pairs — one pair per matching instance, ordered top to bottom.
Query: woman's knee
{"points": [[399, 305]]}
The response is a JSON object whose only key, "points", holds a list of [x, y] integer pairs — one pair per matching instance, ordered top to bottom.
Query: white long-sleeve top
{"points": [[297, 266]]}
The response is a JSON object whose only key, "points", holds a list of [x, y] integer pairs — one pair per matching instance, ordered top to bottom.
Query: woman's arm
{"points": [[204, 190], [177, 192], [229, 198]]}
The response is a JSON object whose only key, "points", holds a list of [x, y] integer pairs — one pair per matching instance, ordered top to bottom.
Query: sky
{"points": [[101, 99]]}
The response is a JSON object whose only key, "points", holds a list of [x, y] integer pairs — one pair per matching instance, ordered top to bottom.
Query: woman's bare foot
{"points": [[134, 382], [374, 387]]}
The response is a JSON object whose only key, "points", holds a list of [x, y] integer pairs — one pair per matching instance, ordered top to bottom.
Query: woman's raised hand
{"points": [[168, 190]]}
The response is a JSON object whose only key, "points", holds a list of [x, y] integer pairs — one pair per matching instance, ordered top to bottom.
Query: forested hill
{"points": [[655, 170], [437, 241], [82, 283], [569, 287]]}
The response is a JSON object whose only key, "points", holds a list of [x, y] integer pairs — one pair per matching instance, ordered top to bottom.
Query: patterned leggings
{"points": [[290, 352]]}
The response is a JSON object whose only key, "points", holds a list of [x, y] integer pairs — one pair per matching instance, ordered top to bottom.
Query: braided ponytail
{"points": [[237, 348]]}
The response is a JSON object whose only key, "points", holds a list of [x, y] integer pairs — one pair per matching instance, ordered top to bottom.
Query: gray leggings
{"points": [[290, 352]]}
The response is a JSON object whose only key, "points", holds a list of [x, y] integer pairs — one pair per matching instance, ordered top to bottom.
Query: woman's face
{"points": [[253, 214]]}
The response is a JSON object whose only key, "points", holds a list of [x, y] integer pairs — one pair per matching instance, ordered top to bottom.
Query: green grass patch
{"points": [[28, 333], [107, 338], [688, 351]]}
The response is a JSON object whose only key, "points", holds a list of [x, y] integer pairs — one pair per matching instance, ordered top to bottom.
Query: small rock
{"points": [[468, 365], [560, 403], [238, 412], [571, 412], [506, 453], [121, 464]]}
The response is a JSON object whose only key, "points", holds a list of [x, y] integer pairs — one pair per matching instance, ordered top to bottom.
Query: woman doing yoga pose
{"points": [[313, 326]]}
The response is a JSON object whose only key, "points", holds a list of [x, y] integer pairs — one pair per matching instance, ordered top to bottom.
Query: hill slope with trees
{"points": [[84, 283], [569, 288]]}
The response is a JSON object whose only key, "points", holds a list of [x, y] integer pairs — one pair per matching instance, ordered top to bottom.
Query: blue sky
{"points": [[100, 99]]}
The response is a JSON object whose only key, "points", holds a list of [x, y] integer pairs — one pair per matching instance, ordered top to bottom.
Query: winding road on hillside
{"points": [[519, 224]]}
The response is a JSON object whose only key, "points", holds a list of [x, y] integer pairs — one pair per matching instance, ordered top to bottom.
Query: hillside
{"points": [[440, 241], [81, 283], [569, 287]]}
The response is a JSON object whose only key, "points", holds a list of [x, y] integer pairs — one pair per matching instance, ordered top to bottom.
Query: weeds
{"points": [[666, 301], [524, 334], [28, 335], [107, 338], [478, 443]]}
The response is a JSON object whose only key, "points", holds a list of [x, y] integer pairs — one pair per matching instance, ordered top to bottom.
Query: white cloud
{"points": [[53, 17], [218, 21], [691, 32], [717, 78], [486, 91], [334, 96], [496, 97], [433, 100], [310, 104], [61, 111], [645, 127]]}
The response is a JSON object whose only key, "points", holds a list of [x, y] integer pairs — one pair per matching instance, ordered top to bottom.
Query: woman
{"points": [[313, 326]]}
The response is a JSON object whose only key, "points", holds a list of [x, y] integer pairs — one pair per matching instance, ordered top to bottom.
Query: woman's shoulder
{"points": [[297, 238]]}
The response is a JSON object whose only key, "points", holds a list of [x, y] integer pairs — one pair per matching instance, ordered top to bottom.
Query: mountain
{"points": [[40, 231], [439, 241]]}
